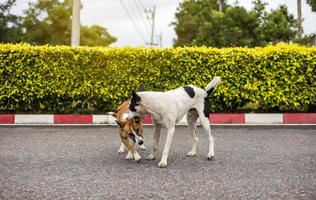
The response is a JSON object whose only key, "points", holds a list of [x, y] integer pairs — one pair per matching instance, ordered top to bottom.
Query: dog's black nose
{"points": [[141, 142]]}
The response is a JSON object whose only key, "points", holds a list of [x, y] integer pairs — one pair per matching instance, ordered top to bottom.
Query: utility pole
{"points": [[220, 5], [151, 17], [299, 18], [75, 30], [159, 39]]}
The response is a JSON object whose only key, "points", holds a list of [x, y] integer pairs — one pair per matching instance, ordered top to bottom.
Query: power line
{"points": [[141, 4], [142, 7], [141, 11], [140, 15], [131, 18]]}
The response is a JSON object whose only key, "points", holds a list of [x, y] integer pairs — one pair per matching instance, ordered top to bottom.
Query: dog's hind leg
{"points": [[192, 117], [206, 126], [157, 128]]}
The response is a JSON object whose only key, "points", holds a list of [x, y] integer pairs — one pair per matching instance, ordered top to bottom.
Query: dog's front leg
{"points": [[157, 128], [142, 147], [122, 149], [132, 152], [163, 162]]}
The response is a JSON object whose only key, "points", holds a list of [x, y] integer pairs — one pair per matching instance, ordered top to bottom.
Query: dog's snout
{"points": [[141, 142]]}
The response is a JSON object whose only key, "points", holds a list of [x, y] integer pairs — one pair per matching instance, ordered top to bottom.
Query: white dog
{"points": [[167, 108]]}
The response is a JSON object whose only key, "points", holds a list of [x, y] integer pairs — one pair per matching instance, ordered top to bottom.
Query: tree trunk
{"points": [[220, 5], [299, 18], [75, 30]]}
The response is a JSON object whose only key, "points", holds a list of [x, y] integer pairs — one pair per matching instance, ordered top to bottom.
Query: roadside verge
{"points": [[216, 118]]}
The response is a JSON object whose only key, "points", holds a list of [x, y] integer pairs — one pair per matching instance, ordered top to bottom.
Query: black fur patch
{"points": [[190, 91], [210, 91], [134, 102], [132, 106], [207, 108], [132, 136]]}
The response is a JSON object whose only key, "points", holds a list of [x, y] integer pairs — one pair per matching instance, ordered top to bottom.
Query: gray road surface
{"points": [[82, 163]]}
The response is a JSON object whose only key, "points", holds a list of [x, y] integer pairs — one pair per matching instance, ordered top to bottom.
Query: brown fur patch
{"points": [[125, 126]]}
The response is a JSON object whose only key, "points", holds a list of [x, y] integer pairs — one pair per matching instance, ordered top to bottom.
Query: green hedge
{"points": [[44, 79]]}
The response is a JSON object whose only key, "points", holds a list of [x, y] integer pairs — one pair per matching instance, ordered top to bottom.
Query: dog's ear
{"points": [[141, 88], [133, 93], [135, 96], [114, 114], [136, 119], [119, 123]]}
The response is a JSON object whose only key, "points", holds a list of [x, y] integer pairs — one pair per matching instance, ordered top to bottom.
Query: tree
{"points": [[312, 3], [221, 5], [49, 22], [198, 22], [188, 23], [10, 25], [279, 26], [235, 27], [95, 36]]}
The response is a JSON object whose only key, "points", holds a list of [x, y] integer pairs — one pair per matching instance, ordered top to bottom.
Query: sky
{"points": [[131, 25]]}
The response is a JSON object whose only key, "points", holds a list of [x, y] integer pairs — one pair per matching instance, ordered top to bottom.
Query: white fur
{"points": [[213, 84], [167, 108], [125, 117], [137, 137], [142, 147], [122, 149], [129, 156], [137, 157]]}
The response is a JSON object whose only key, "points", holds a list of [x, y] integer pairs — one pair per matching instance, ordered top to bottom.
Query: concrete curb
{"points": [[216, 118]]}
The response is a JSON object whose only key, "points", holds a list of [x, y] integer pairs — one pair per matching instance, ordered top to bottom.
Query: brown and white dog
{"points": [[130, 130]]}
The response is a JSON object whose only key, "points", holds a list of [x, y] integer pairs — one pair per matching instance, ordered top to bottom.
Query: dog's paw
{"points": [[142, 147], [121, 151], [191, 154], [129, 156], [150, 157], [210, 157], [137, 158], [162, 164]]}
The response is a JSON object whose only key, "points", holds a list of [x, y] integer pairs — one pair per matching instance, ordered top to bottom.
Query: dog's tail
{"points": [[212, 85], [112, 113]]}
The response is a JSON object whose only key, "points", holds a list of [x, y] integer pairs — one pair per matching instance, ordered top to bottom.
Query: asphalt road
{"points": [[82, 163]]}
